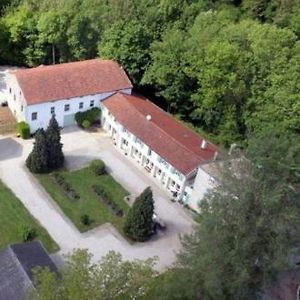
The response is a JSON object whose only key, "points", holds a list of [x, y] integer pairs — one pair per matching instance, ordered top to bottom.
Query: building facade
{"points": [[34, 95], [134, 133]]}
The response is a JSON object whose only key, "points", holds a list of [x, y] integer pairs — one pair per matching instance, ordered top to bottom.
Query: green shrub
{"points": [[91, 115], [86, 124], [23, 130], [97, 166], [85, 220], [28, 233]]}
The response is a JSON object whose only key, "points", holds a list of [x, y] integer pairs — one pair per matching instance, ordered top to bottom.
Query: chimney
{"points": [[148, 117], [204, 144]]}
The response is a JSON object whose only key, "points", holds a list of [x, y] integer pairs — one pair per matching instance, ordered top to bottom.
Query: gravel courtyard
{"points": [[80, 147]]}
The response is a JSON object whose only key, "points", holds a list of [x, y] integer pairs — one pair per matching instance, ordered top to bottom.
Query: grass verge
{"points": [[14, 217]]}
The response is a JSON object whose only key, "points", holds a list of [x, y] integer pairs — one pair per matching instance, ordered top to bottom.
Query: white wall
{"points": [[15, 98], [43, 110], [168, 174], [202, 184]]}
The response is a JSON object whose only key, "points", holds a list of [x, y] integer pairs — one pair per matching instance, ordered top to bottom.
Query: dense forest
{"points": [[229, 67]]}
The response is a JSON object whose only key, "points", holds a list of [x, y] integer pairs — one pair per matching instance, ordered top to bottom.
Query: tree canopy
{"points": [[213, 63], [248, 226], [80, 279]]}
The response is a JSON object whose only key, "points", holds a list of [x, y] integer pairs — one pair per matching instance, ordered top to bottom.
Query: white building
{"points": [[64, 89], [172, 154]]}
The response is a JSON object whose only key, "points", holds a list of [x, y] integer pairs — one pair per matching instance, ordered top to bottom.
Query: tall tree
{"points": [[128, 43], [54, 146], [37, 161], [139, 221], [248, 227], [111, 278]]}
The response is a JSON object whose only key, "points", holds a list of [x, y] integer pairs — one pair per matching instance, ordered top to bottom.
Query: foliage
{"points": [[128, 43], [214, 63], [91, 115], [86, 124], [23, 130], [54, 146], [47, 154], [37, 161], [97, 166], [64, 186], [85, 219], [139, 220], [248, 226], [28, 233], [110, 278]]}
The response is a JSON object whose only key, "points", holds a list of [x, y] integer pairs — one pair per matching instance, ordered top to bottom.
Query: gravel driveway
{"points": [[80, 147]]}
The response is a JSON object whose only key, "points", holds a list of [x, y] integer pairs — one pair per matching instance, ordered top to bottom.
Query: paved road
{"points": [[80, 147]]}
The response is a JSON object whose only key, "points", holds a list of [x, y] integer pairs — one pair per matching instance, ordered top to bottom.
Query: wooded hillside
{"points": [[230, 67]]}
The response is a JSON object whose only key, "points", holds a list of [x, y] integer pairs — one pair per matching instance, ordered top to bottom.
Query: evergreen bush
{"points": [[54, 146], [37, 161], [139, 221]]}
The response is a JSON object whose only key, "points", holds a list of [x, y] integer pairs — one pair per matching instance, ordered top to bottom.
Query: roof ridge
{"points": [[59, 65], [157, 126], [173, 138]]}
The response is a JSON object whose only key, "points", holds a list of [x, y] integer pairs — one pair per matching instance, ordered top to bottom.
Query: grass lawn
{"points": [[89, 203], [13, 218]]}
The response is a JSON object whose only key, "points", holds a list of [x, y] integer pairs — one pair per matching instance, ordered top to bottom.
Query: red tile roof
{"points": [[68, 80], [173, 141]]}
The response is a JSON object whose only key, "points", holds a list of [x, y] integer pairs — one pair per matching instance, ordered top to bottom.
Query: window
{"points": [[10, 90], [20, 93], [14, 97], [92, 103], [80, 105], [21, 107], [67, 107], [52, 110], [34, 116], [149, 152], [173, 183]]}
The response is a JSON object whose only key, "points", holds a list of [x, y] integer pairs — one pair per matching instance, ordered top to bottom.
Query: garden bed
{"points": [[87, 210]]}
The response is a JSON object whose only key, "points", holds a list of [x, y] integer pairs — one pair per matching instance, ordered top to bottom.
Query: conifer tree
{"points": [[54, 146], [37, 161], [139, 221]]}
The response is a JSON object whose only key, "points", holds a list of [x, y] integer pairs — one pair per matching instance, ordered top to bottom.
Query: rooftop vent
{"points": [[148, 117], [204, 144]]}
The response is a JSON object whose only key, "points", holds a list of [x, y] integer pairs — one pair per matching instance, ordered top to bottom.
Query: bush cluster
{"points": [[87, 118], [23, 130], [97, 166], [66, 187], [104, 197], [86, 220], [28, 233]]}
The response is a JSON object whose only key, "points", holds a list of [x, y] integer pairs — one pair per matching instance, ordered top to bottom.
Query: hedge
{"points": [[91, 116], [23, 130]]}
